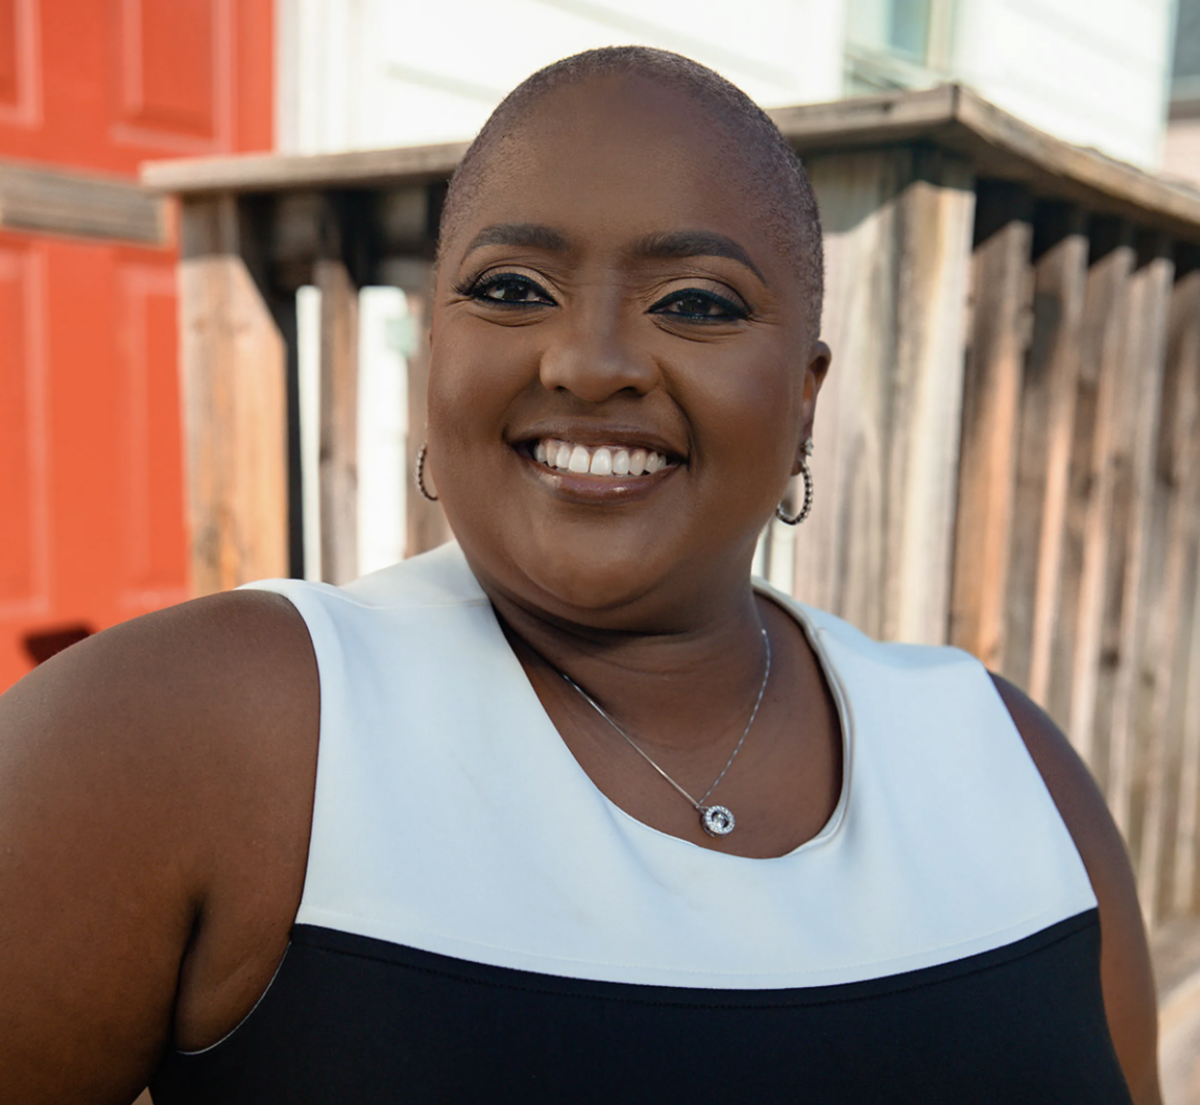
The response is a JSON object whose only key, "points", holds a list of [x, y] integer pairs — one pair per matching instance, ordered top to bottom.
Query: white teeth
{"points": [[604, 460]]}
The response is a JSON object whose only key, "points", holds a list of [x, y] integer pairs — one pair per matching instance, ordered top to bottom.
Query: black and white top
{"points": [[479, 923]]}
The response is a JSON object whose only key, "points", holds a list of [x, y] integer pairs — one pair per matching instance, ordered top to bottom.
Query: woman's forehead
{"points": [[618, 160]]}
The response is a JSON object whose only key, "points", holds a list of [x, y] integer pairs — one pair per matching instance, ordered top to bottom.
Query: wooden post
{"points": [[1060, 251], [1000, 311], [235, 404], [339, 420], [878, 547], [1077, 639]]}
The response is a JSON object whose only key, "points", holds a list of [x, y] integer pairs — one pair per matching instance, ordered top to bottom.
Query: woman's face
{"points": [[623, 364]]}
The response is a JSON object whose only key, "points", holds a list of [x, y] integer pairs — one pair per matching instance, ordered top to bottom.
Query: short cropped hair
{"points": [[789, 206]]}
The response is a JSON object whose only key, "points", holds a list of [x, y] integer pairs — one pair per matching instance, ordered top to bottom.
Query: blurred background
{"points": [[217, 219]]}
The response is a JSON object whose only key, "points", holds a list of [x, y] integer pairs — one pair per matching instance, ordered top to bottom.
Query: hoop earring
{"points": [[419, 475], [806, 475]]}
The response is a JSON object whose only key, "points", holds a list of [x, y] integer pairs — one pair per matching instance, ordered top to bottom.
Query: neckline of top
{"points": [[813, 634]]}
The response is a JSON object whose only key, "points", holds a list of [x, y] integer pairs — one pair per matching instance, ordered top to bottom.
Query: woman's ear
{"points": [[814, 376]]}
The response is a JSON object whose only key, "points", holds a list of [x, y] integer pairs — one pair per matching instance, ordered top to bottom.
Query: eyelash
{"points": [[478, 290], [732, 311]]}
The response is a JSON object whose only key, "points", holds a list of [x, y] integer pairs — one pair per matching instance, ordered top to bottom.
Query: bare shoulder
{"points": [[155, 795], [1129, 996]]}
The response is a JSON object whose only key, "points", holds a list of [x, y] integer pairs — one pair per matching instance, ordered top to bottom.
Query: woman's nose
{"points": [[596, 359]]}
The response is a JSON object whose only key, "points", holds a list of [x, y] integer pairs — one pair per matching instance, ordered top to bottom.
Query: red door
{"points": [[91, 484]]}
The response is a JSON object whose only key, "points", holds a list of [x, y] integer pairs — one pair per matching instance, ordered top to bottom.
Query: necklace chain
{"points": [[722, 824]]}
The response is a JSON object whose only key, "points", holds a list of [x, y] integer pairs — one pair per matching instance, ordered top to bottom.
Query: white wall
{"points": [[1094, 72], [363, 73]]}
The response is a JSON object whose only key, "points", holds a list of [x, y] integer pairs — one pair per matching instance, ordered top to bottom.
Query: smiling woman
{"points": [[571, 809]]}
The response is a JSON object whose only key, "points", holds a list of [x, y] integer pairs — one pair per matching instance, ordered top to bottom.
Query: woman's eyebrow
{"points": [[520, 234], [692, 243]]}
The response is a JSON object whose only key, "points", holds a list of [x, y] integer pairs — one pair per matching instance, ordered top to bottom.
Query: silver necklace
{"points": [[716, 820]]}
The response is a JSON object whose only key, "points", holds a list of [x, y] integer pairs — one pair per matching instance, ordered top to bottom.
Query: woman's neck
{"points": [[682, 689]]}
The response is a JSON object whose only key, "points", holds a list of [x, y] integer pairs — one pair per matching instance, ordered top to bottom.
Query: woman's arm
{"points": [[149, 867], [1129, 998]]}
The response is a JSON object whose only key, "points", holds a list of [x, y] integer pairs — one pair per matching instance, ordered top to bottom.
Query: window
{"points": [[897, 43], [1185, 68]]}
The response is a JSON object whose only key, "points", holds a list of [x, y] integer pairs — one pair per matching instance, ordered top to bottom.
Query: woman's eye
{"points": [[510, 289], [700, 306]]}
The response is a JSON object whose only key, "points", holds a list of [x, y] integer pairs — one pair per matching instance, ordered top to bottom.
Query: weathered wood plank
{"points": [[57, 201], [1060, 251], [1000, 312], [235, 405], [1132, 456], [338, 464], [1182, 466], [878, 546], [1071, 697], [1166, 858], [1185, 894]]}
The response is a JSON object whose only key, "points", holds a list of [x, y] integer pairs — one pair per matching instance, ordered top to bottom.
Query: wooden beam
{"points": [[952, 116], [860, 121], [285, 172], [55, 201], [1060, 251], [1000, 313], [235, 405], [338, 465], [878, 547]]}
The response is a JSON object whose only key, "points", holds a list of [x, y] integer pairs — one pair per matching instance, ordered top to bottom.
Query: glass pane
{"points": [[908, 32]]}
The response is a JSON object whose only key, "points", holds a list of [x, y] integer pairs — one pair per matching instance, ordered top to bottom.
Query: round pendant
{"points": [[717, 820]]}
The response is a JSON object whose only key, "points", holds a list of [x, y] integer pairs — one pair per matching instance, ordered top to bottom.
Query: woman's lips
{"points": [[612, 461]]}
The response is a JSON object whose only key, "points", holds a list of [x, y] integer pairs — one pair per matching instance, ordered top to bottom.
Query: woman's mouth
{"points": [[598, 460]]}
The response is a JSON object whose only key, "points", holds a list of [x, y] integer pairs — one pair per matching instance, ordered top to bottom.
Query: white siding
{"points": [[362, 73], [1094, 73]]}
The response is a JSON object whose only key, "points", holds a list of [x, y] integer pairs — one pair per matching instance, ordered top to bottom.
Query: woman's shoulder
{"points": [[155, 794], [1126, 972]]}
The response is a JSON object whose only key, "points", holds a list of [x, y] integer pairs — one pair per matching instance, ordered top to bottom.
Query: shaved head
{"points": [[757, 151]]}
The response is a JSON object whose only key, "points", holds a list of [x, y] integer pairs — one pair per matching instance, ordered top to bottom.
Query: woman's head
{"points": [[773, 173], [630, 262]]}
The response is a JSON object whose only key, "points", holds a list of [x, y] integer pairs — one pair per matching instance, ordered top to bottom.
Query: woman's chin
{"points": [[599, 582]]}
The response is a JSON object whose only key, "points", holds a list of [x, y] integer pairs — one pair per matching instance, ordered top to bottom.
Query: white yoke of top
{"points": [[451, 817]]}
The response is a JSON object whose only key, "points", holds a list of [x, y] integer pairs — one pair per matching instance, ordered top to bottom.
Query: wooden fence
{"points": [[1008, 455]]}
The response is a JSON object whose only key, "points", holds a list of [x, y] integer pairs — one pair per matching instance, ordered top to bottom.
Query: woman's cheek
{"points": [[475, 375]]}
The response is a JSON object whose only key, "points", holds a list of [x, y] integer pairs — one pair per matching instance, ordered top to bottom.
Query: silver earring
{"points": [[419, 475], [806, 475]]}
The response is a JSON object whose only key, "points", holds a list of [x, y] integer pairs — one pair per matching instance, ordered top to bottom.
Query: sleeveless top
{"points": [[479, 923]]}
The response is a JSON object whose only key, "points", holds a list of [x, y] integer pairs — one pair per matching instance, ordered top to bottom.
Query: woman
{"points": [[592, 817]]}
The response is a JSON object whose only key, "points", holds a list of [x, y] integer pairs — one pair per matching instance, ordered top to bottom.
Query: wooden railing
{"points": [[1007, 455]]}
